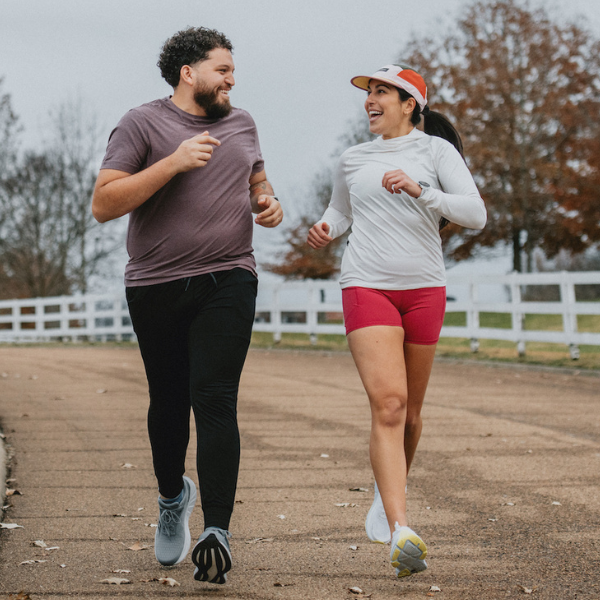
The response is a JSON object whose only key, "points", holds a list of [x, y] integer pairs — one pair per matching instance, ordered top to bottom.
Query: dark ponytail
{"points": [[434, 123]]}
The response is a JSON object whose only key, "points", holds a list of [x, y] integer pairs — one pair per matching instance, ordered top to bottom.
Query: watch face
{"points": [[424, 184]]}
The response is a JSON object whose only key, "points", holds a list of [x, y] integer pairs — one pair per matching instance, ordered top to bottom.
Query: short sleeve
{"points": [[128, 144]]}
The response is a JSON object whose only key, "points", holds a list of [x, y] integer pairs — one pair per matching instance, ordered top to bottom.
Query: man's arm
{"points": [[117, 193], [263, 202]]}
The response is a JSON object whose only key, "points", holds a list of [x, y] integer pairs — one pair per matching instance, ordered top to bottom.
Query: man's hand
{"points": [[194, 153], [396, 182], [271, 214], [318, 236]]}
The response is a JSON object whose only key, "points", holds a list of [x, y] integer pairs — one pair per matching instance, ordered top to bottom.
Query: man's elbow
{"points": [[99, 211]]}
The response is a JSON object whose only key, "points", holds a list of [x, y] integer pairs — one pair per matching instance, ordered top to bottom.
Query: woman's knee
{"points": [[389, 410]]}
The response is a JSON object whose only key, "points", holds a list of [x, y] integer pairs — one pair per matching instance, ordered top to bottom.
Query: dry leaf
{"points": [[324, 455], [128, 466], [358, 489], [10, 492], [555, 503], [346, 504], [120, 515], [281, 517], [10, 526], [259, 539], [39, 544], [137, 546], [52, 548], [32, 562], [62, 566], [120, 571], [115, 580], [168, 581], [278, 584], [434, 588], [355, 590], [527, 590], [20, 596]]}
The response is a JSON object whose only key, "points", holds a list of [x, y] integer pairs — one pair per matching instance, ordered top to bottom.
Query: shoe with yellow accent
{"points": [[408, 552]]}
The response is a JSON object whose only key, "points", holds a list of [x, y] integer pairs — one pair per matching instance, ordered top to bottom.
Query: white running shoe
{"points": [[376, 524], [408, 552]]}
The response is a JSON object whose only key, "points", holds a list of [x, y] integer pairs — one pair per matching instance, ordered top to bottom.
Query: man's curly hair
{"points": [[187, 47]]}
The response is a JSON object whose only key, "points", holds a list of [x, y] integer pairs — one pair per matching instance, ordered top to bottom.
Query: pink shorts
{"points": [[419, 312]]}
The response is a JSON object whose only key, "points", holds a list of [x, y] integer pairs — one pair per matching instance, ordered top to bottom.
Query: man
{"points": [[189, 172]]}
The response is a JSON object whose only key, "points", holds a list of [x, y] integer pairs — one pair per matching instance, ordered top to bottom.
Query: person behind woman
{"points": [[394, 191]]}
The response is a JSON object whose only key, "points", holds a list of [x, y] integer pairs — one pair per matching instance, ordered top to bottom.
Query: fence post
{"points": [[517, 314], [473, 315], [569, 316]]}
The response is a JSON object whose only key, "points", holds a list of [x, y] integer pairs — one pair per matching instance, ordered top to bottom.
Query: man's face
{"points": [[213, 81]]}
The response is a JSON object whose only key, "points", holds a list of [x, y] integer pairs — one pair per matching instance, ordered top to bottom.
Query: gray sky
{"points": [[294, 60]]}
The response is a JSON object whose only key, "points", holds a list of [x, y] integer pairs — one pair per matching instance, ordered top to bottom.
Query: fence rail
{"points": [[314, 307]]}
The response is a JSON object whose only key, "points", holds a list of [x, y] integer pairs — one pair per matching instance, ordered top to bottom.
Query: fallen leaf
{"points": [[324, 455], [128, 466], [359, 489], [10, 492], [555, 503], [346, 504], [140, 508], [120, 515], [281, 517], [136, 518], [493, 520], [10, 526], [259, 540], [39, 544], [137, 546], [353, 547], [52, 548], [32, 562], [62, 566], [120, 571], [115, 580], [168, 581], [278, 584], [435, 588], [355, 590], [527, 590], [20, 596]]}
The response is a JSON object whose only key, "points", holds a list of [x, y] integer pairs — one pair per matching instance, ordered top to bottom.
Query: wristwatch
{"points": [[424, 185]]}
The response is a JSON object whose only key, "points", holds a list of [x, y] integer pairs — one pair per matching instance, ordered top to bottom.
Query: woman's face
{"points": [[388, 115]]}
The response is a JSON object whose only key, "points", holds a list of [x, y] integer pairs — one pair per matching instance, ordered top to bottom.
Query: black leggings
{"points": [[194, 335]]}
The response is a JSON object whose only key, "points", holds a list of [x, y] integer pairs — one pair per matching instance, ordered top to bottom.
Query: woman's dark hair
{"points": [[187, 47], [434, 123]]}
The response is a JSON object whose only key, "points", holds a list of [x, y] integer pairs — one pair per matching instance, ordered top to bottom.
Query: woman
{"points": [[394, 191]]}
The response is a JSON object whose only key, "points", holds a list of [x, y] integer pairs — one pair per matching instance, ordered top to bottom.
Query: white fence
{"points": [[314, 307]]}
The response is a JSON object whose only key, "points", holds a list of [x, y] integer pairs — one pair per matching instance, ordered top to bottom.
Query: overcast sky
{"points": [[294, 60]]}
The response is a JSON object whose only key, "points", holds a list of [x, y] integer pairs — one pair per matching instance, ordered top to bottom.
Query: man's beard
{"points": [[209, 101]]}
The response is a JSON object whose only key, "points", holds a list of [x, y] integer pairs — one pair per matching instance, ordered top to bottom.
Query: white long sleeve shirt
{"points": [[395, 242]]}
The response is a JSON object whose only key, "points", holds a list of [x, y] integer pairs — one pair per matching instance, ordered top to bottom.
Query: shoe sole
{"points": [[188, 536], [408, 556], [212, 560]]}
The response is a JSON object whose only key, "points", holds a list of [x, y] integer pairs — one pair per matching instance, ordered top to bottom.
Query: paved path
{"points": [[505, 488]]}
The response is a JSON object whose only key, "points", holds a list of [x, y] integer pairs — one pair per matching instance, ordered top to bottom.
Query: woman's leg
{"points": [[379, 356], [419, 362]]}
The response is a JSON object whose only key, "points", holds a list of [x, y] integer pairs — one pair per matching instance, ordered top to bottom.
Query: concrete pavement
{"points": [[505, 488]]}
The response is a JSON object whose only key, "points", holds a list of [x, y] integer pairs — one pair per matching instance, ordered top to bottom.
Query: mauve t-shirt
{"points": [[200, 221]]}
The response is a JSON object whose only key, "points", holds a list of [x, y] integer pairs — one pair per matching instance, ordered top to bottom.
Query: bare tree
{"points": [[49, 242]]}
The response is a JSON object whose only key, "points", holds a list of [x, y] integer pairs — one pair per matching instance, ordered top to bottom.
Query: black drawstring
{"points": [[214, 279], [187, 285]]}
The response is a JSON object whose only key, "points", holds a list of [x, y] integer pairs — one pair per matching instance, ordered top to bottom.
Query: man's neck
{"points": [[186, 103]]}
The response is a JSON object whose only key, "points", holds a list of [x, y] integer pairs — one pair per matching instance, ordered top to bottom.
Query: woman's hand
{"points": [[398, 181], [318, 236]]}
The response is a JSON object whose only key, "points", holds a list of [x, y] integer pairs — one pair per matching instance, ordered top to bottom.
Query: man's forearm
{"points": [[262, 188]]}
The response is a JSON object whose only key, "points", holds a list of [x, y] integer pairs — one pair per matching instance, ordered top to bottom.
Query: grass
{"points": [[536, 353]]}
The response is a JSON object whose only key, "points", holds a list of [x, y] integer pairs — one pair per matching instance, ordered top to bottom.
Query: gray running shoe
{"points": [[376, 524], [172, 540], [408, 552], [212, 555]]}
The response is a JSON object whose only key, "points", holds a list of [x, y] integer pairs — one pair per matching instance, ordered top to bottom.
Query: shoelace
{"points": [[168, 521]]}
